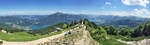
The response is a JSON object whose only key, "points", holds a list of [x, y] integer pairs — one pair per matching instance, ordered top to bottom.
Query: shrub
{"points": [[1, 42]]}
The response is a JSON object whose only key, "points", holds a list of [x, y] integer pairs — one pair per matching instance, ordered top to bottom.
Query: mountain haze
{"points": [[42, 21]]}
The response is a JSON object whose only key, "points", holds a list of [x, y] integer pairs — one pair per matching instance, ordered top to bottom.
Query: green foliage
{"points": [[85, 21], [74, 22], [90, 24], [61, 25], [64, 26], [12, 30], [146, 30], [113, 31], [125, 31], [138, 31], [99, 34], [1, 42]]}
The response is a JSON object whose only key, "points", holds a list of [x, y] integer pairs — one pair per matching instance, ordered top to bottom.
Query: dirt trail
{"points": [[79, 36], [85, 41], [34, 42]]}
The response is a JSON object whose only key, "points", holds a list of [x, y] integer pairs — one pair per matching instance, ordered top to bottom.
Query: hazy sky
{"points": [[96, 7]]}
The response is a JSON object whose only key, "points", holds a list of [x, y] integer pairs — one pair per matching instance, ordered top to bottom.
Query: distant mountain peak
{"points": [[58, 13]]}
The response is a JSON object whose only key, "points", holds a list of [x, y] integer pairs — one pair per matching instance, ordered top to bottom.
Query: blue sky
{"points": [[139, 8]]}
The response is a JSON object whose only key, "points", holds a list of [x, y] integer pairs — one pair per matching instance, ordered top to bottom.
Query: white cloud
{"points": [[136, 2], [108, 3], [113, 7], [26, 12], [136, 12], [143, 12], [115, 13]]}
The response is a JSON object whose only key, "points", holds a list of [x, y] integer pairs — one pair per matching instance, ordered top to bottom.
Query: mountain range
{"points": [[31, 22]]}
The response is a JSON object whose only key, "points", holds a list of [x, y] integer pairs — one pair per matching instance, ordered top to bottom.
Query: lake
{"points": [[34, 27]]}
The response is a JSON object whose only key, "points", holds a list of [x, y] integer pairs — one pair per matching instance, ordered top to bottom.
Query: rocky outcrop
{"points": [[79, 36], [141, 42]]}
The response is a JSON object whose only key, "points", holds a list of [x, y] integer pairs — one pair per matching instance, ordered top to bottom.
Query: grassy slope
{"points": [[22, 36], [126, 38], [136, 38], [111, 42]]}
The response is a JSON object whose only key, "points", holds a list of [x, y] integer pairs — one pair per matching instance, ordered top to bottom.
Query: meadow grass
{"points": [[23, 36], [126, 38], [136, 38], [111, 42]]}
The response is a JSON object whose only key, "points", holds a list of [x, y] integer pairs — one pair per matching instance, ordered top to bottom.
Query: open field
{"points": [[23, 36]]}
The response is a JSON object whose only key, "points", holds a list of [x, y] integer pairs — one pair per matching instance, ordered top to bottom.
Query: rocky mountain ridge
{"points": [[79, 36]]}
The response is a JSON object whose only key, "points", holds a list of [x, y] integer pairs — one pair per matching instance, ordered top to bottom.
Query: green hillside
{"points": [[24, 35], [108, 35]]}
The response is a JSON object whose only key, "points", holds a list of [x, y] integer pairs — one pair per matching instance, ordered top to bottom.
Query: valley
{"points": [[34, 22]]}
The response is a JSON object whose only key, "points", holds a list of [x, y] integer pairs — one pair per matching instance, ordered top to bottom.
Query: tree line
{"points": [[100, 32]]}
